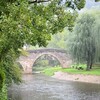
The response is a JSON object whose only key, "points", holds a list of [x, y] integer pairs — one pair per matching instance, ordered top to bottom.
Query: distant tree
{"points": [[96, 34], [59, 40], [84, 42]]}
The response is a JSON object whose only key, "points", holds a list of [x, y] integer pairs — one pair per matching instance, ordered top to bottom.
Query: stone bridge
{"points": [[28, 61]]}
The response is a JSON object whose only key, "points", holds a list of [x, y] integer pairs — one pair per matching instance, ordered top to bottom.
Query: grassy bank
{"points": [[50, 71]]}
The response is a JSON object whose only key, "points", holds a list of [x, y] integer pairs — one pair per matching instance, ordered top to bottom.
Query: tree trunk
{"points": [[88, 61], [91, 63], [88, 65]]}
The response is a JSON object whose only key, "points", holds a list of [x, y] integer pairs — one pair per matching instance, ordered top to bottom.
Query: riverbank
{"points": [[51, 70], [77, 77]]}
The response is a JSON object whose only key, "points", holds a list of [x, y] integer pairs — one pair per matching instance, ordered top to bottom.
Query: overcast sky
{"points": [[91, 4]]}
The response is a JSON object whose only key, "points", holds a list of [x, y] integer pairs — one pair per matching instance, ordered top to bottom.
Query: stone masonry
{"points": [[28, 61]]}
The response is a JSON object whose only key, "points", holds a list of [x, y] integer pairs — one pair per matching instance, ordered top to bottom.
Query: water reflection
{"points": [[40, 87]]}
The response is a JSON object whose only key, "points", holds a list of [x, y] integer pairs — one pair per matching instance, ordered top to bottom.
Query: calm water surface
{"points": [[41, 87]]}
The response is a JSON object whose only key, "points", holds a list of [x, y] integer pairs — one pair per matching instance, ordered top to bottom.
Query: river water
{"points": [[41, 87]]}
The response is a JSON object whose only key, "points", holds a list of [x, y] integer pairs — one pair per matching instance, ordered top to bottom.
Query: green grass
{"points": [[40, 68], [50, 71]]}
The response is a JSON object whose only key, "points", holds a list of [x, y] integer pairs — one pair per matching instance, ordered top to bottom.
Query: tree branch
{"points": [[38, 1]]}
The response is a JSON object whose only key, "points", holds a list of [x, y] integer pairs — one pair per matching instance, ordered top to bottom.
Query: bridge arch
{"points": [[53, 55], [28, 61]]}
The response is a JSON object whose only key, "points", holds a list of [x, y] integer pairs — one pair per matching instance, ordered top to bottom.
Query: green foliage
{"points": [[80, 3], [75, 4], [49, 20], [96, 33], [59, 40], [84, 42], [23, 52], [42, 63], [10, 68], [50, 70], [2, 78], [3, 88], [3, 93]]}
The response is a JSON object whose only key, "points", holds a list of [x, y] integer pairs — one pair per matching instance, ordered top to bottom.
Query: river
{"points": [[41, 87]]}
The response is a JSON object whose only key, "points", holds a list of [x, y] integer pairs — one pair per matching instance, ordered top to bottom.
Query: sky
{"points": [[92, 4]]}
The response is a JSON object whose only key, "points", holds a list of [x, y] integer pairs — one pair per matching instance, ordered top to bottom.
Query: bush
{"points": [[3, 88], [3, 92]]}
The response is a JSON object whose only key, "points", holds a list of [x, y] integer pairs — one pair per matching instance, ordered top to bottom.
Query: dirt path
{"points": [[77, 77]]}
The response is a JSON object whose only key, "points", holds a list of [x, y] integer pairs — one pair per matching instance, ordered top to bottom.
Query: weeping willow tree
{"points": [[96, 35], [84, 43]]}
